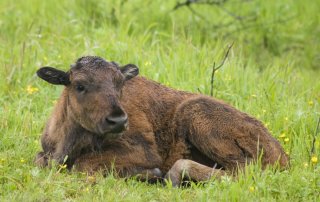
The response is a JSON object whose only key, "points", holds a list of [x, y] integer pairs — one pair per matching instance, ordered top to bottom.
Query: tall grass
{"points": [[272, 73]]}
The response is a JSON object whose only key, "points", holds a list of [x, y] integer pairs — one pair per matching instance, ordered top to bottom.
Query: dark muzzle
{"points": [[117, 124]]}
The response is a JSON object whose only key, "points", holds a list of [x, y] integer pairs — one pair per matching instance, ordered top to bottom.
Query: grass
{"points": [[272, 73]]}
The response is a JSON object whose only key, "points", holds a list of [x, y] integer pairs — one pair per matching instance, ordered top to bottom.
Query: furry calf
{"points": [[108, 118]]}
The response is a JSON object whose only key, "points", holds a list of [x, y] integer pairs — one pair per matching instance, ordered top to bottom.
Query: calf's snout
{"points": [[117, 124]]}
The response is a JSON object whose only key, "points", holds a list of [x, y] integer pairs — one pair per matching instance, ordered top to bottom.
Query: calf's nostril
{"points": [[110, 121], [113, 121]]}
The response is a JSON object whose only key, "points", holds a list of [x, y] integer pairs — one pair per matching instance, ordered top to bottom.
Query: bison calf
{"points": [[108, 118]]}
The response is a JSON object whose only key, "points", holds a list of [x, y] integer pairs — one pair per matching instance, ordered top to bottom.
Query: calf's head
{"points": [[93, 89]]}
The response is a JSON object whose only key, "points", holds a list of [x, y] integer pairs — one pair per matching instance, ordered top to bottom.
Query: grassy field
{"points": [[272, 73]]}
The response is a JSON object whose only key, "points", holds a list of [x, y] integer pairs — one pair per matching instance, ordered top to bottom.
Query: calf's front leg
{"points": [[65, 151], [133, 155], [41, 159], [123, 165]]}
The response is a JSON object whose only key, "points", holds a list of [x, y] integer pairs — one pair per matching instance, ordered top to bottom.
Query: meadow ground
{"points": [[272, 73]]}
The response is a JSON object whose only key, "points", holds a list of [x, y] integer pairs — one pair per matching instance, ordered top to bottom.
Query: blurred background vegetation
{"points": [[262, 30], [272, 72]]}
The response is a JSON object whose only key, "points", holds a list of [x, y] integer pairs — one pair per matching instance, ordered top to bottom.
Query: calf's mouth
{"points": [[112, 132]]}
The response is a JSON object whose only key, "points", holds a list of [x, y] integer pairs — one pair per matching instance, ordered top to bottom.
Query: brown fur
{"points": [[168, 129]]}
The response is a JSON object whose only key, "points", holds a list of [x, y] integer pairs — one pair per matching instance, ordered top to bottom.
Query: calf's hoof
{"points": [[41, 160]]}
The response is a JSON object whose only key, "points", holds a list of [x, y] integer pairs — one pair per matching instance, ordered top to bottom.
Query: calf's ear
{"points": [[129, 71], [53, 76]]}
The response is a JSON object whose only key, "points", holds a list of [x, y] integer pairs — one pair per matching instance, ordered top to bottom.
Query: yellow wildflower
{"points": [[147, 63], [31, 90], [310, 103], [286, 118], [283, 135], [286, 139], [287, 152], [314, 159], [22, 160], [305, 164], [63, 166], [91, 179], [251, 188]]}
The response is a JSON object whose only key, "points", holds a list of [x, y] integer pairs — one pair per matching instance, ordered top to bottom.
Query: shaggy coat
{"points": [[108, 118]]}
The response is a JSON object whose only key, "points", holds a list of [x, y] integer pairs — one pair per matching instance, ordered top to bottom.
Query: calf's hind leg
{"points": [[227, 136], [191, 170]]}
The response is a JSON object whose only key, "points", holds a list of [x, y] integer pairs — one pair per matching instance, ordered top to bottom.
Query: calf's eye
{"points": [[80, 88]]}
